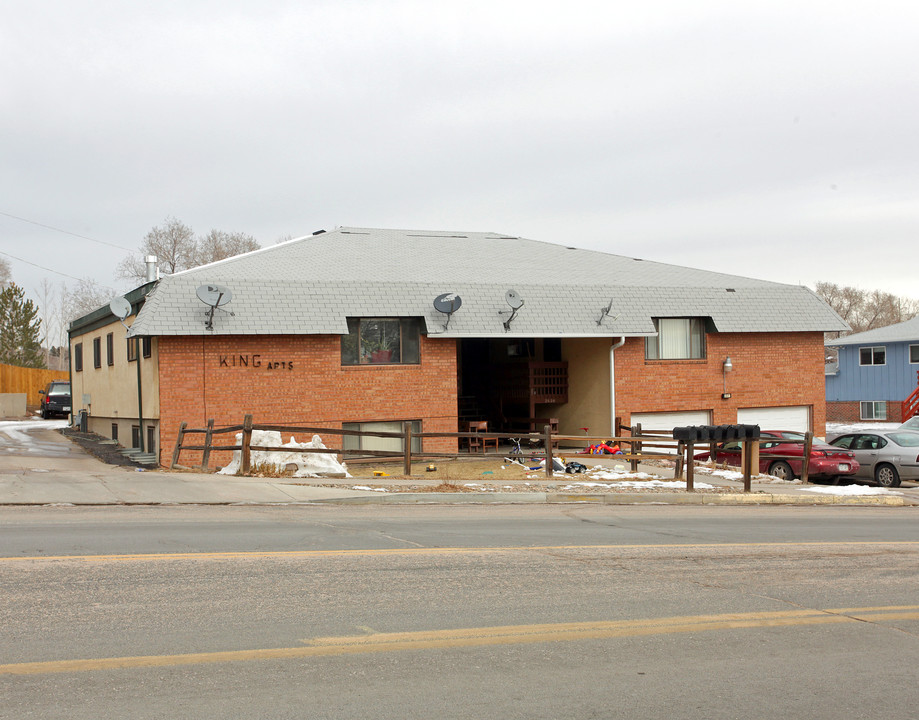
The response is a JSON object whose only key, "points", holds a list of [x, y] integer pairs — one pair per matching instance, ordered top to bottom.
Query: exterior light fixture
{"points": [[726, 367]]}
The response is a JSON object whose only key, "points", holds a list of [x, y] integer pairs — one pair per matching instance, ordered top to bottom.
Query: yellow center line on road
{"points": [[306, 554], [479, 637]]}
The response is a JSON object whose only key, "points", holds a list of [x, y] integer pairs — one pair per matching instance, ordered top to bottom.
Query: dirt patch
{"points": [[449, 471]]}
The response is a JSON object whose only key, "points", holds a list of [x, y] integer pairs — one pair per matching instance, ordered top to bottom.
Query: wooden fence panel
{"points": [[14, 379]]}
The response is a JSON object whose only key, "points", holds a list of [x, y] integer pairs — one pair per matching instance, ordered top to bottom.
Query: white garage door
{"points": [[792, 417], [670, 420]]}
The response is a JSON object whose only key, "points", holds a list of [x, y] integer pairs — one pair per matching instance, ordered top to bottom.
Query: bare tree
{"points": [[173, 244], [219, 245], [177, 248], [6, 274], [81, 300], [866, 310], [51, 311]]}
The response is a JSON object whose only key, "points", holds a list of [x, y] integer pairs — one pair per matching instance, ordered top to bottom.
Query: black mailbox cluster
{"points": [[715, 433]]}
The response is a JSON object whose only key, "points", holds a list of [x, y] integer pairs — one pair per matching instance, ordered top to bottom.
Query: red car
{"points": [[785, 459]]}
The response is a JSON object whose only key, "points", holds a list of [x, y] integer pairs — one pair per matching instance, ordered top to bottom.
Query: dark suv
{"points": [[56, 400]]}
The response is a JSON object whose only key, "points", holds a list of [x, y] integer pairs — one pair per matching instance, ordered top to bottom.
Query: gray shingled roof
{"points": [[312, 284], [901, 332]]}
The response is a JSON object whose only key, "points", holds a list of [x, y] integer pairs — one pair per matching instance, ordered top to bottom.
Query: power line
{"points": [[66, 232], [56, 272]]}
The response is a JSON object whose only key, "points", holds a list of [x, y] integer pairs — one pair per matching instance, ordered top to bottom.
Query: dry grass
{"points": [[270, 470], [449, 471]]}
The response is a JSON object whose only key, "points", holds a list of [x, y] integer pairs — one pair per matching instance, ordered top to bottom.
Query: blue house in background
{"points": [[877, 375]]}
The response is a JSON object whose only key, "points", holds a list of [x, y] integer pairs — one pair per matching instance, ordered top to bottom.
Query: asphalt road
{"points": [[546, 611]]}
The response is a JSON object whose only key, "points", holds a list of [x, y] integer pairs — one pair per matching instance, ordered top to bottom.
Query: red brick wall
{"points": [[770, 369], [310, 387], [849, 411]]}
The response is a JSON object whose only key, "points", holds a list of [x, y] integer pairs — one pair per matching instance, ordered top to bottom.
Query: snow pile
{"points": [[308, 464], [851, 490]]}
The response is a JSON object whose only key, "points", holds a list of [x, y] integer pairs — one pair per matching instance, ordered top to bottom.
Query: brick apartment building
{"points": [[340, 329]]}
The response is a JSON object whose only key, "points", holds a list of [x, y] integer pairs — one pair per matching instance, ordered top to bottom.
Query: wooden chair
{"points": [[479, 442]]}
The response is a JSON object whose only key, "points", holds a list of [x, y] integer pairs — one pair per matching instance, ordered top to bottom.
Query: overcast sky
{"points": [[771, 139]]}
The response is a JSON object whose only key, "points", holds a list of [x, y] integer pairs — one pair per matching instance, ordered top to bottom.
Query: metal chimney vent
{"points": [[153, 272]]}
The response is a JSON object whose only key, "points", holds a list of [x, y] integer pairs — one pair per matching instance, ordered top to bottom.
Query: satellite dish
{"points": [[214, 295], [513, 299], [516, 302], [448, 303], [120, 307]]}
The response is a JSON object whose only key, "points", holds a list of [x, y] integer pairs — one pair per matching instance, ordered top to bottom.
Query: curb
{"points": [[614, 499]]}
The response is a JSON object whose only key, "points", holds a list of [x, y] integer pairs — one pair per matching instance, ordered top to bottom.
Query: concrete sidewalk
{"points": [[63, 474], [91, 482]]}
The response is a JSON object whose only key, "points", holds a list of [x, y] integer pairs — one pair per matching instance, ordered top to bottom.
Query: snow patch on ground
{"points": [[33, 424], [834, 429], [308, 464], [738, 476], [623, 479], [650, 484], [850, 490]]}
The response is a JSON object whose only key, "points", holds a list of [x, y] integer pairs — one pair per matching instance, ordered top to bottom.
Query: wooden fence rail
{"points": [[546, 439], [638, 444]]}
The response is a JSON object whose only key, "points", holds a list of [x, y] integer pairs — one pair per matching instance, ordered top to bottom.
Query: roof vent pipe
{"points": [[153, 272]]}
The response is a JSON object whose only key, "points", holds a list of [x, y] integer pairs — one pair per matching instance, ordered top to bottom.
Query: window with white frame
{"points": [[677, 339], [381, 341], [913, 354], [872, 355], [873, 410], [375, 442]]}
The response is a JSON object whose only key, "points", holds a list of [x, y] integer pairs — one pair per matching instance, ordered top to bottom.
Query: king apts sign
{"points": [[254, 361]]}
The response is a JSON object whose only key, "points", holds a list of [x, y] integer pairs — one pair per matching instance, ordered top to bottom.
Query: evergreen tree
{"points": [[20, 342]]}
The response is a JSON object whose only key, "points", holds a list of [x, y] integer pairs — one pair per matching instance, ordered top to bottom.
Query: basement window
{"points": [[677, 339], [381, 341], [873, 410], [373, 442]]}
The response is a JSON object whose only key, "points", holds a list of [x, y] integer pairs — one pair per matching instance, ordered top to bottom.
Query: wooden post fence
{"points": [[208, 438], [407, 448], [246, 453]]}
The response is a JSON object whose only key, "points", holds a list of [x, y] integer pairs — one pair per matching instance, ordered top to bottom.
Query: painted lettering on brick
{"points": [[253, 361]]}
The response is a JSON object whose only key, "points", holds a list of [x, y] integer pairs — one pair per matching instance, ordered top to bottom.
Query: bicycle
{"points": [[516, 454]]}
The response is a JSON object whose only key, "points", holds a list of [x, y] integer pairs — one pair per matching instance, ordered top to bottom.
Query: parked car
{"points": [[55, 399], [911, 424], [885, 457], [785, 459]]}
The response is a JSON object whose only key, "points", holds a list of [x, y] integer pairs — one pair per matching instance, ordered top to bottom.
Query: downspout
{"points": [[151, 275], [612, 385], [140, 398]]}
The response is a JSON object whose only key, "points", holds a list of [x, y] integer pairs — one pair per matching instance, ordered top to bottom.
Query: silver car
{"points": [[911, 424], [885, 457]]}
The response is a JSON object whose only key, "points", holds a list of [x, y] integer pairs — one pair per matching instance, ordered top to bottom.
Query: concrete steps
{"points": [[142, 458]]}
